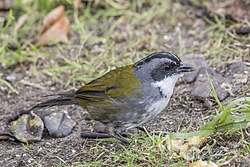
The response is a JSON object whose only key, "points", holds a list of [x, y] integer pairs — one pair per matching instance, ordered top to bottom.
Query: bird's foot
{"points": [[120, 137]]}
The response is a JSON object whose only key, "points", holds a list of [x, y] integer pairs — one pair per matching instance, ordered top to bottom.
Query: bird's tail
{"points": [[65, 99]]}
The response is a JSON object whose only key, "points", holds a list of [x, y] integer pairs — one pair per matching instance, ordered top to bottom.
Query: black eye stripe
{"points": [[168, 66]]}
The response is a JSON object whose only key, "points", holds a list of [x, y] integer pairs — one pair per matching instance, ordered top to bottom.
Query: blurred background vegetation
{"points": [[106, 34]]}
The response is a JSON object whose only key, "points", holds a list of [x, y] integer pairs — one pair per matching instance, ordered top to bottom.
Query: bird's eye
{"points": [[167, 67]]}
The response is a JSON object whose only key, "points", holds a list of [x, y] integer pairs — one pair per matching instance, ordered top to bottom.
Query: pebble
{"points": [[233, 76], [13, 77], [59, 124], [27, 128]]}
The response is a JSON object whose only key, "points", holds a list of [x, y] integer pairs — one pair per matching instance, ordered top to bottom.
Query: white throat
{"points": [[166, 85]]}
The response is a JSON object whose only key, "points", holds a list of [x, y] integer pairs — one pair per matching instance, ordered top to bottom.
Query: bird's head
{"points": [[160, 65]]}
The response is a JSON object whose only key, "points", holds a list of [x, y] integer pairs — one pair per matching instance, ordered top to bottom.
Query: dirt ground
{"points": [[182, 112]]}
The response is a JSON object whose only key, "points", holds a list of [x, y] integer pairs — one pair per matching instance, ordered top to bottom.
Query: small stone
{"points": [[242, 30], [197, 61], [235, 68], [205, 70], [202, 71], [13, 77], [189, 78], [225, 84], [202, 86], [201, 90], [221, 93], [53, 121], [59, 124], [27, 128]]}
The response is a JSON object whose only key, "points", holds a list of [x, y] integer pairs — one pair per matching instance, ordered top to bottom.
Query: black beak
{"points": [[185, 68]]}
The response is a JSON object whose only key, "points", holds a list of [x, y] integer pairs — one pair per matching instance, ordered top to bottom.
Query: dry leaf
{"points": [[6, 4], [52, 17], [55, 28], [56, 33], [201, 163]]}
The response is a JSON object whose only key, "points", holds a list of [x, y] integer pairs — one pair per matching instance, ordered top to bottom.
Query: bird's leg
{"points": [[110, 132], [121, 133], [113, 134], [94, 135], [119, 137]]}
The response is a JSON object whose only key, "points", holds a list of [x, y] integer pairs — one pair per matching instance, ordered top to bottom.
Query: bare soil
{"points": [[182, 111]]}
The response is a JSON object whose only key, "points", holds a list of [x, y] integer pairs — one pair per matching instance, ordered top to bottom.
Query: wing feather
{"points": [[116, 83]]}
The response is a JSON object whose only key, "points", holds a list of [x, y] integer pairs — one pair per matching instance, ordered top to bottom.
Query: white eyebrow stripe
{"points": [[175, 56]]}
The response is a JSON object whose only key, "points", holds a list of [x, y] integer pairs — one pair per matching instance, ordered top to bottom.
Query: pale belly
{"points": [[155, 107], [151, 112]]}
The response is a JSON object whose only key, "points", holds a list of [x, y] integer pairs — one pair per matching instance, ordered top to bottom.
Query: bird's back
{"points": [[111, 97]]}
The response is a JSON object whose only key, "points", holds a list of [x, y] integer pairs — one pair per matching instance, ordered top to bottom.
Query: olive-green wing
{"points": [[116, 83]]}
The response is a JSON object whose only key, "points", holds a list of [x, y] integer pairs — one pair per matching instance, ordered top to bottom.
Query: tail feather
{"points": [[65, 99], [59, 101]]}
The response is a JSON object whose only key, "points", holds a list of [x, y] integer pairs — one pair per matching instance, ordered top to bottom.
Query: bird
{"points": [[128, 96]]}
